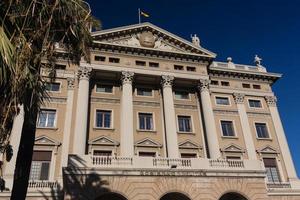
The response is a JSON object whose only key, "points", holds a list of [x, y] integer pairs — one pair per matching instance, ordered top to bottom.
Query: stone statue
{"points": [[195, 40], [257, 60]]}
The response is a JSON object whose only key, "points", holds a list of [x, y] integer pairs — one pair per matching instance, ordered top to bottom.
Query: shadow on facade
{"points": [[232, 196]]}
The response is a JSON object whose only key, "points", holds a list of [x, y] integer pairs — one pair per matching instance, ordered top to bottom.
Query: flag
{"points": [[144, 14]]}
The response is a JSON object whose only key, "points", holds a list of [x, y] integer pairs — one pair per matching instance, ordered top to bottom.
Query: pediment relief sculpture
{"points": [[103, 140], [147, 142], [189, 145], [233, 148]]}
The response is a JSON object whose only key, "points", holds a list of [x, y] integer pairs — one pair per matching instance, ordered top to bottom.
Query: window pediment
{"points": [[103, 140], [45, 141], [147, 142], [187, 144], [233, 148], [268, 150]]}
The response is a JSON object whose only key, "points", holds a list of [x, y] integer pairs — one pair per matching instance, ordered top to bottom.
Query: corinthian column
{"points": [[239, 100], [82, 110], [209, 119], [170, 120], [68, 122], [127, 141], [286, 154]]}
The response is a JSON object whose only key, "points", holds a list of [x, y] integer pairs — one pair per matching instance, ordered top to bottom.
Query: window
{"points": [[100, 58], [114, 60], [140, 63], [153, 64], [59, 66], [178, 67], [190, 69], [213, 82], [225, 83], [246, 85], [52, 87], [256, 87], [104, 88], [144, 92], [181, 95], [222, 100], [254, 103], [46, 118], [103, 119], [146, 121], [185, 124], [227, 128], [261, 130], [102, 153], [147, 154], [188, 155], [233, 158], [40, 165], [272, 170]]}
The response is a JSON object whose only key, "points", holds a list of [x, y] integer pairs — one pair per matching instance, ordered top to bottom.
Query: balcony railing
{"points": [[111, 161], [169, 162], [226, 163], [42, 184], [278, 185]]}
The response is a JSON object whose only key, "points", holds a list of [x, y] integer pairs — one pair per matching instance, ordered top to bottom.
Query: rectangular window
{"points": [[100, 58], [114, 60], [140, 63], [153, 64], [59, 66], [178, 67], [190, 69], [213, 82], [225, 83], [246, 85], [52, 87], [256, 87], [104, 88], [144, 92], [181, 95], [222, 100], [254, 103], [47, 118], [103, 119], [146, 121], [185, 123], [227, 128], [261, 130], [102, 153], [147, 154], [188, 155], [233, 157], [40, 165], [272, 170]]}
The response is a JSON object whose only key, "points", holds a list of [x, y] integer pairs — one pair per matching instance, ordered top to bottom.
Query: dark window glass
{"points": [[100, 58], [114, 60], [140, 63], [153, 64], [61, 67], [178, 67], [191, 69], [213, 82], [225, 83], [246, 85], [52, 87], [256, 87], [104, 88], [144, 92], [181, 95], [222, 100], [254, 103], [46, 118], [103, 119], [145, 121], [185, 123], [227, 128], [261, 130], [102, 153], [147, 154], [188, 155], [233, 157], [40, 165], [272, 170]]}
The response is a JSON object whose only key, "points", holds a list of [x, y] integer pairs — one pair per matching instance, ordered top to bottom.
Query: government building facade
{"points": [[155, 117]]}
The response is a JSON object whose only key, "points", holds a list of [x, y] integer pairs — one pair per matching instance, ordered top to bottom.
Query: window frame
{"points": [[222, 83], [105, 84], [60, 86], [137, 95], [174, 95], [220, 96], [255, 99], [55, 119], [111, 119], [138, 121], [191, 124], [233, 127], [268, 130], [147, 151], [278, 167]]}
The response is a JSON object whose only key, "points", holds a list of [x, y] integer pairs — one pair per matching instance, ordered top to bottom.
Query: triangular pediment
{"points": [[151, 37], [103, 140], [46, 141], [147, 142], [187, 144], [233, 148], [268, 150]]}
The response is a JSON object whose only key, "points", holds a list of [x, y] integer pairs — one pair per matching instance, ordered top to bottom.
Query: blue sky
{"points": [[240, 29]]}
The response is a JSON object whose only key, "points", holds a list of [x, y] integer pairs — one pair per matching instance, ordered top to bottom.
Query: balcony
{"points": [[42, 184], [282, 185]]}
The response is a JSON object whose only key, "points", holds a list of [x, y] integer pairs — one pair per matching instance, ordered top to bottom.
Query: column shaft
{"points": [[209, 120]]}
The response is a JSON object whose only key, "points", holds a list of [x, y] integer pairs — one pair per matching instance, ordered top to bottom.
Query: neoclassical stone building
{"points": [[155, 117]]}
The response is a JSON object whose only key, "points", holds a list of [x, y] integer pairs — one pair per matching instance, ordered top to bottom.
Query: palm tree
{"points": [[28, 33]]}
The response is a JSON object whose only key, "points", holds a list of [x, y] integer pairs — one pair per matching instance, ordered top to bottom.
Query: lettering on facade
{"points": [[171, 173]]}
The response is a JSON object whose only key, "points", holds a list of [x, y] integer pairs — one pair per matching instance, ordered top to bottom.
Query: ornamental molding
{"points": [[84, 73], [127, 77], [167, 81], [71, 83], [203, 85], [239, 98], [58, 99], [105, 100], [271, 100], [146, 103], [182, 106], [225, 112], [258, 114], [103, 140], [45, 141], [147, 142], [188, 144], [233, 148], [268, 150]]}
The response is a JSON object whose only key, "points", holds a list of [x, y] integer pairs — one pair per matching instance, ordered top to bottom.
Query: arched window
{"points": [[111, 196], [174, 196], [232, 196]]}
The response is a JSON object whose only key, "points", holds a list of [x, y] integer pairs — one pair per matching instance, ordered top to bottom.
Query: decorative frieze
{"points": [[84, 73], [127, 77], [167, 81], [71, 83], [203, 84], [239, 98], [58, 99], [105, 100], [271, 100], [146, 103], [182, 106], [225, 112]]}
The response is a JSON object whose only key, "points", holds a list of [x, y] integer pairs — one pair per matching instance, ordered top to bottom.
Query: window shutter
{"points": [[42, 155], [270, 162], [45, 171]]}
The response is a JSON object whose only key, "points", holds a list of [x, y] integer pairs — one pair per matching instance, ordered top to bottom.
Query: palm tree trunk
{"points": [[24, 157]]}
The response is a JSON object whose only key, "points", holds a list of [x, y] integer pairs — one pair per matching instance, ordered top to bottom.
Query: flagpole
{"points": [[139, 10]]}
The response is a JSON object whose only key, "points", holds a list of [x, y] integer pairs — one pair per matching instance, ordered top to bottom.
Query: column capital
{"points": [[84, 73], [127, 77], [167, 81], [71, 83], [203, 85], [239, 98], [271, 100]]}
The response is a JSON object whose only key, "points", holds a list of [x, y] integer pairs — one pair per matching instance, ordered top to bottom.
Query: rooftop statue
{"points": [[195, 40]]}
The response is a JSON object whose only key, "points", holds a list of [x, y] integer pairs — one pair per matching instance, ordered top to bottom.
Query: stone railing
{"points": [[239, 66], [111, 161], [172, 163], [226, 163], [42, 184], [278, 185]]}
